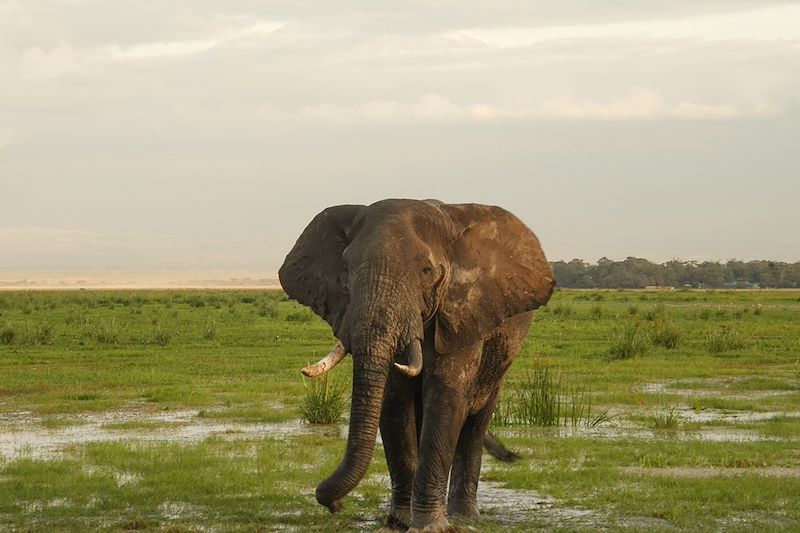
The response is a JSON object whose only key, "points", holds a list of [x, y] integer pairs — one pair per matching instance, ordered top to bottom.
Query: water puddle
{"points": [[711, 387], [725, 415], [711, 433], [23, 436], [700, 472], [497, 504], [510, 506]]}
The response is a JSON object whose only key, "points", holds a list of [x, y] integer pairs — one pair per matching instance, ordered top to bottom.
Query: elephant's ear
{"points": [[498, 270], [313, 272]]}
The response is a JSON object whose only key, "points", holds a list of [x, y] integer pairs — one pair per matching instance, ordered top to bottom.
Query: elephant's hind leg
{"points": [[499, 350], [399, 434], [462, 496]]}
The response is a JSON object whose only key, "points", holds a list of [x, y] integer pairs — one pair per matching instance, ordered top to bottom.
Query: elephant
{"points": [[433, 301]]}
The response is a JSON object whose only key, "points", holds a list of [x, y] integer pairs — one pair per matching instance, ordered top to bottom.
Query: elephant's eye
{"points": [[427, 270]]}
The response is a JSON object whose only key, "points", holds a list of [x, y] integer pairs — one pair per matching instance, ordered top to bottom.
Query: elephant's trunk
{"points": [[373, 331], [370, 372]]}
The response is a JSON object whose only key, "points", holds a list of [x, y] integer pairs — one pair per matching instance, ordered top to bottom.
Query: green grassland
{"points": [[180, 411]]}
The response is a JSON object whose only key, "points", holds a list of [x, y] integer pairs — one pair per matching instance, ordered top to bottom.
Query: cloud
{"points": [[780, 22], [252, 30], [165, 49], [37, 63], [41, 63], [638, 104], [643, 104], [428, 107], [8, 136]]}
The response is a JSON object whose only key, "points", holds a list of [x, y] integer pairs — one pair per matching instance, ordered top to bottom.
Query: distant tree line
{"points": [[637, 273]]}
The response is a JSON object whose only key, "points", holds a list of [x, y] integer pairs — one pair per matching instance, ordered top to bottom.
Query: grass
{"points": [[563, 310], [596, 312], [303, 315], [209, 329], [107, 332], [37, 333], [7, 334], [665, 334], [161, 336], [724, 339], [629, 341], [54, 373], [543, 398], [326, 400], [665, 416]]}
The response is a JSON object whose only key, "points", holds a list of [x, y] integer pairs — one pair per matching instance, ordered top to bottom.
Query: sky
{"points": [[204, 135]]}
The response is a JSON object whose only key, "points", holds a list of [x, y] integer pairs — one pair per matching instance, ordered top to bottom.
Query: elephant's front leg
{"points": [[444, 402], [399, 435]]}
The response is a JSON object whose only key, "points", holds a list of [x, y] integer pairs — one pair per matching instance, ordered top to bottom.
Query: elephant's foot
{"points": [[334, 507], [465, 508], [393, 523], [442, 526]]}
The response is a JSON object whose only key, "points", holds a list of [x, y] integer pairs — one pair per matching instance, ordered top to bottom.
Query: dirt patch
{"points": [[22, 435]]}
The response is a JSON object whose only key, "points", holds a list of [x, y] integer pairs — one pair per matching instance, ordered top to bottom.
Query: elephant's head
{"points": [[377, 274]]}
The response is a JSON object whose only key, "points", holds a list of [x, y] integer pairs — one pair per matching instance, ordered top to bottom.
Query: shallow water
{"points": [[713, 387], [727, 415], [712, 434], [22, 435], [700, 472], [499, 504], [510, 506]]}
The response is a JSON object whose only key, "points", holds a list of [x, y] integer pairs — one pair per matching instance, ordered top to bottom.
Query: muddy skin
{"points": [[461, 281]]}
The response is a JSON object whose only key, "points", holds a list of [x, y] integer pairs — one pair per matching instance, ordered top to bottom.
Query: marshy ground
{"points": [[180, 411]]}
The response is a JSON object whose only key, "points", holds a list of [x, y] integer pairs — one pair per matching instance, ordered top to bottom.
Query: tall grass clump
{"points": [[196, 301], [268, 309], [562, 309], [596, 312], [654, 313], [703, 314], [303, 315], [209, 329], [106, 332], [42, 333], [7, 334], [665, 334], [161, 336], [724, 339], [629, 341], [544, 399], [325, 401], [666, 416]]}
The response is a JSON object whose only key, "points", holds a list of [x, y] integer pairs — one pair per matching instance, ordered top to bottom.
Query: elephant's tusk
{"points": [[414, 355], [333, 358]]}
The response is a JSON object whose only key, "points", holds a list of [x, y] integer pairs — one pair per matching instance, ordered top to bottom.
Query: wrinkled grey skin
{"points": [[464, 280]]}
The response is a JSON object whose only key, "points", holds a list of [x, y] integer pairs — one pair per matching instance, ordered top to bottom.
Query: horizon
{"points": [[204, 279]]}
